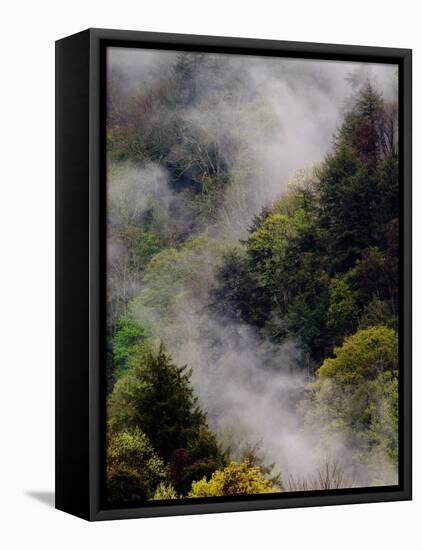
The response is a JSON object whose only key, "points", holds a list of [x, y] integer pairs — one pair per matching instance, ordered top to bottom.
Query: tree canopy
{"points": [[235, 479]]}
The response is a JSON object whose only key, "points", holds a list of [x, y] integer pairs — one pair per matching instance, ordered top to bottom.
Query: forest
{"points": [[252, 275]]}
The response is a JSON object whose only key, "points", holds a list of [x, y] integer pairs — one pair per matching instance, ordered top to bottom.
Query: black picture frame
{"points": [[80, 271]]}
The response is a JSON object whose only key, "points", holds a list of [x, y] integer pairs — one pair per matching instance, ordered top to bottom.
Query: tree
{"points": [[186, 70], [362, 129], [358, 182], [388, 190], [347, 195], [146, 245], [268, 247], [176, 272], [376, 276], [237, 293], [307, 311], [342, 311], [376, 312], [129, 336], [363, 356], [355, 394], [155, 395], [251, 454], [133, 468], [185, 468], [235, 479], [165, 491]]}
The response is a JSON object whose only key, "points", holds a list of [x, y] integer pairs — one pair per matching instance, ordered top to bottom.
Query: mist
{"points": [[266, 118]]}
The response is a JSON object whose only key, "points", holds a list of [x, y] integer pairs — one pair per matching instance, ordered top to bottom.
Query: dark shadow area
{"points": [[45, 497]]}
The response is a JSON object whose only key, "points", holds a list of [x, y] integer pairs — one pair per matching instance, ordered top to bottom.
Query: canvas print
{"points": [[252, 275]]}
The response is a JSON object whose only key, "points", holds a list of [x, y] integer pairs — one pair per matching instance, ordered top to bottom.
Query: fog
{"points": [[267, 118]]}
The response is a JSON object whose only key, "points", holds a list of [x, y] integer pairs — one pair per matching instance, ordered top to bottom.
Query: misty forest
{"points": [[252, 275]]}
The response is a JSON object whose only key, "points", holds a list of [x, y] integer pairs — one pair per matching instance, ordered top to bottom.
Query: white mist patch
{"points": [[133, 189], [250, 390]]}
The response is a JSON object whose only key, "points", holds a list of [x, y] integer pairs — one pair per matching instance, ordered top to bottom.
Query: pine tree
{"points": [[155, 395]]}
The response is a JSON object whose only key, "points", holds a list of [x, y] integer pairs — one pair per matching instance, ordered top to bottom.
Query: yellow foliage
{"points": [[235, 479]]}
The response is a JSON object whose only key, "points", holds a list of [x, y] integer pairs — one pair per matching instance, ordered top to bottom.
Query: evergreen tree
{"points": [[361, 130], [347, 198], [237, 293], [155, 395]]}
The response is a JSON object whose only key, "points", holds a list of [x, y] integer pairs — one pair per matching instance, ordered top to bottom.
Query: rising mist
{"points": [[263, 119]]}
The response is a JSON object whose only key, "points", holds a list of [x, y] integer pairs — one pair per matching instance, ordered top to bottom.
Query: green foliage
{"points": [[361, 128], [141, 130], [117, 144], [357, 184], [388, 189], [298, 198], [288, 204], [346, 218], [142, 239], [148, 244], [267, 244], [270, 250], [315, 261], [175, 273], [376, 275], [238, 294], [342, 310], [307, 311], [375, 313], [129, 339], [363, 356], [355, 393], [156, 395], [384, 415], [204, 444], [251, 454], [133, 468], [185, 468], [235, 479], [165, 491]]}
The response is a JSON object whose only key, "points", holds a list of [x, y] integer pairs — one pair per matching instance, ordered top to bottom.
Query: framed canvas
{"points": [[233, 274]]}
